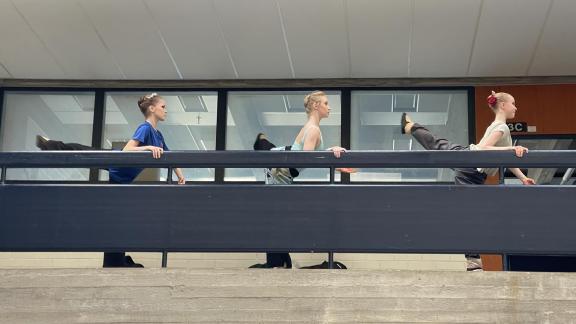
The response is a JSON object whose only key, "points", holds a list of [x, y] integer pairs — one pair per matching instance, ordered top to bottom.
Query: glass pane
{"points": [[280, 115], [66, 117], [190, 125], [376, 126], [544, 176]]}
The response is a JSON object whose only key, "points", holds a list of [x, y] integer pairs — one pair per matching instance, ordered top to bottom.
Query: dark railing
{"points": [[323, 159], [399, 218]]}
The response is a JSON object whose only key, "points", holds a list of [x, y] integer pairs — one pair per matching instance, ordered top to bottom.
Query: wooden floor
{"points": [[283, 296]]}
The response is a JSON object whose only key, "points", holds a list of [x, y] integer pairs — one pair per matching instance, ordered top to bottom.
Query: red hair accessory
{"points": [[492, 100]]}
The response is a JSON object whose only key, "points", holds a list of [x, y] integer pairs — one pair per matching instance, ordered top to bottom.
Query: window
{"points": [[280, 115], [67, 117], [190, 125], [376, 126], [544, 176]]}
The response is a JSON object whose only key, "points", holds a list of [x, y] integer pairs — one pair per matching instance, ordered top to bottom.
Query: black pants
{"points": [[263, 144], [51, 145], [463, 176], [114, 259], [273, 259]]}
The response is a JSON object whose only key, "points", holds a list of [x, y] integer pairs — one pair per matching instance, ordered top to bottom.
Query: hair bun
{"points": [[492, 100]]}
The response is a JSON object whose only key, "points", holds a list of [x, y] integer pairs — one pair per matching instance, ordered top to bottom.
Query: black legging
{"points": [[51, 145], [114, 259], [273, 259]]}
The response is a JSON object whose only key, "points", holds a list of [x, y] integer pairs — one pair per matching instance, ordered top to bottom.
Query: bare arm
{"points": [[489, 143], [132, 145], [180, 175], [520, 175]]}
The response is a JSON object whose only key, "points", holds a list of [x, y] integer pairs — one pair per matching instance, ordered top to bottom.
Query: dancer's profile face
{"points": [[508, 106], [323, 107], [159, 109]]}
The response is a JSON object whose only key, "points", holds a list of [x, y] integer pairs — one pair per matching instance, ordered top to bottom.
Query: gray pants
{"points": [[463, 176]]}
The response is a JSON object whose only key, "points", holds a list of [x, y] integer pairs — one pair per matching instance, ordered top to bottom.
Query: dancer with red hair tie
{"points": [[496, 137]]}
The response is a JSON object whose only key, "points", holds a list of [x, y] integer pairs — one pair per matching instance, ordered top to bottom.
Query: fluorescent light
{"points": [[61, 103], [211, 103], [111, 104], [173, 104], [75, 118], [115, 118], [393, 118], [195, 119], [294, 119], [376, 176]]}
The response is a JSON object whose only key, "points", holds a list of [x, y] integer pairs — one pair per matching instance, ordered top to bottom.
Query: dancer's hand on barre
{"points": [[132, 145], [520, 150], [156, 151], [337, 151], [347, 170], [181, 178], [528, 181]]}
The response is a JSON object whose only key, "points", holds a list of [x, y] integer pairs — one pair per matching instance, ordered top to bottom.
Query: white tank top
{"points": [[505, 140]]}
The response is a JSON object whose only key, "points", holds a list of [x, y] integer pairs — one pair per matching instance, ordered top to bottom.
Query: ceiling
{"points": [[275, 39]]}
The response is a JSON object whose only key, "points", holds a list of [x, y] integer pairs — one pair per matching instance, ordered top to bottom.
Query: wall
{"points": [[551, 108]]}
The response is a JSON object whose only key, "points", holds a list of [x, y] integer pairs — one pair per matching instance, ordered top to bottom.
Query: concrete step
{"points": [[275, 296]]}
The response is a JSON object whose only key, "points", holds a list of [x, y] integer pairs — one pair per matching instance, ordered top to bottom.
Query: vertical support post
{"points": [[221, 116], [346, 126], [98, 128], [332, 175], [165, 253], [331, 254], [505, 262]]}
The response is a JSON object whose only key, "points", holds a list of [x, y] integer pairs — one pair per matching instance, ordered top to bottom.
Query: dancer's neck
{"points": [[500, 118], [314, 119], [153, 121]]}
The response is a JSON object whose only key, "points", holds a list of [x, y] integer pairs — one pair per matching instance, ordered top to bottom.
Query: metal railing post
{"points": [[165, 253], [331, 254]]}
